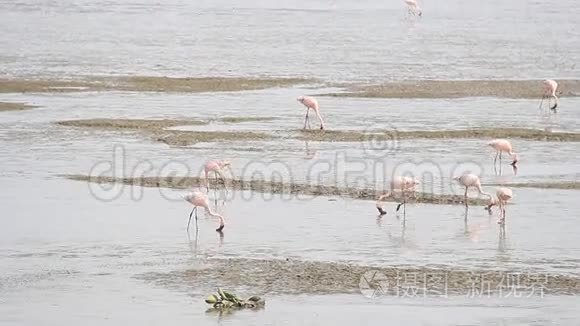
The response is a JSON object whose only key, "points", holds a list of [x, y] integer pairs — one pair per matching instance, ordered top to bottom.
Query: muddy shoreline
{"points": [[146, 84], [523, 89], [13, 106], [246, 119], [133, 124], [156, 129], [394, 135], [186, 138], [564, 185], [277, 188], [310, 277]]}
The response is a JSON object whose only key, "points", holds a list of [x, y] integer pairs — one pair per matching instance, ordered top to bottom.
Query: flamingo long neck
{"points": [[483, 192], [387, 195], [214, 214]]}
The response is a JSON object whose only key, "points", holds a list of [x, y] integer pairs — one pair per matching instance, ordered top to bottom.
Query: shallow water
{"points": [[461, 40], [68, 240], [73, 252], [88, 256]]}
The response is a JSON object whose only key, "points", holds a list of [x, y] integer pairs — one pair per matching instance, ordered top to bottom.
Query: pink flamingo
{"points": [[414, 8], [550, 87], [311, 103], [500, 146], [217, 167], [471, 181], [404, 185], [503, 195], [199, 199]]}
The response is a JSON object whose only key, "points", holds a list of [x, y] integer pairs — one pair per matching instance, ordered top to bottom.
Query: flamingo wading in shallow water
{"points": [[414, 8], [550, 87], [311, 103], [501, 146], [217, 167], [471, 181], [404, 185], [503, 195], [199, 199]]}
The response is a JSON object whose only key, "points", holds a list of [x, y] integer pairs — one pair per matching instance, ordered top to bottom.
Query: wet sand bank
{"points": [[146, 84], [459, 88], [531, 89], [9, 106], [246, 119], [134, 124], [155, 129], [393, 134], [182, 138], [186, 138], [565, 185], [277, 188], [309, 277]]}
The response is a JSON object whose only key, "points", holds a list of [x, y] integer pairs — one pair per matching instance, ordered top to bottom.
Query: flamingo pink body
{"points": [[414, 7], [550, 86], [311, 104], [503, 146], [217, 167], [471, 181], [403, 184], [503, 196], [199, 199]]}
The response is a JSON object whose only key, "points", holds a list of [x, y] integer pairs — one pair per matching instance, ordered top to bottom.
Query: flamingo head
{"points": [[300, 99], [516, 159], [225, 163], [187, 197], [492, 202], [381, 211]]}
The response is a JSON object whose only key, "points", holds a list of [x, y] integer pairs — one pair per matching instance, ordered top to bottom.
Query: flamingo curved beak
{"points": [[381, 211]]}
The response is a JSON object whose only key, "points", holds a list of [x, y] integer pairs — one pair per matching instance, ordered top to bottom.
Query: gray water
{"points": [[337, 40], [76, 253]]}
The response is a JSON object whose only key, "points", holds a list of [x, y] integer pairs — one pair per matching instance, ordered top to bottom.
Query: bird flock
{"points": [[404, 185]]}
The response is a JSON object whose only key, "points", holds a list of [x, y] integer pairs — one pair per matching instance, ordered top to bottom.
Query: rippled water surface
{"points": [[331, 39], [72, 252]]}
